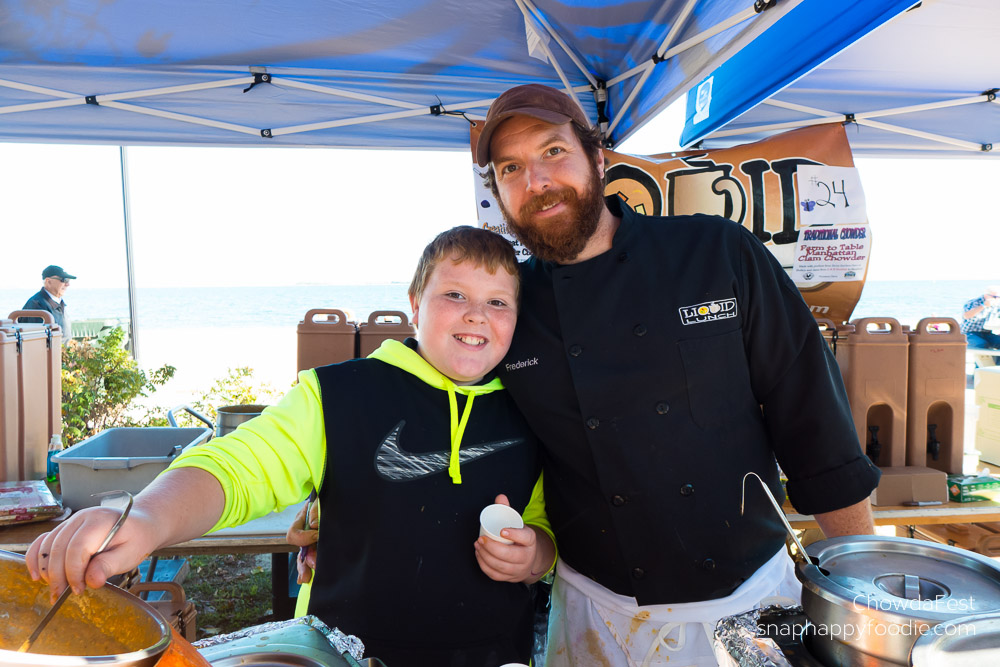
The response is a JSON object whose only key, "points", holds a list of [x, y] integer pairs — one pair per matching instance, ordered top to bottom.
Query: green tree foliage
{"points": [[100, 382]]}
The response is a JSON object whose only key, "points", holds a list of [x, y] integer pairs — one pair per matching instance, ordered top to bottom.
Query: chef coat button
{"points": [[623, 257], [639, 330], [575, 350], [662, 408], [593, 423], [687, 489], [618, 501], [708, 564], [638, 573]]}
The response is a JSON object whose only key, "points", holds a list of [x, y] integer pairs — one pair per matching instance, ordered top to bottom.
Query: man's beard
{"points": [[563, 237]]}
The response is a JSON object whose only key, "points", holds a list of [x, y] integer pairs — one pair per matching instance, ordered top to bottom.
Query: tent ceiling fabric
{"points": [[341, 72], [922, 85]]}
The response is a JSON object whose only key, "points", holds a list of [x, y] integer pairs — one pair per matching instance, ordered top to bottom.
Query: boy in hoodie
{"points": [[404, 449]]}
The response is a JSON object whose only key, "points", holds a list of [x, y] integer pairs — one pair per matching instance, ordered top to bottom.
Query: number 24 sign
{"points": [[830, 195]]}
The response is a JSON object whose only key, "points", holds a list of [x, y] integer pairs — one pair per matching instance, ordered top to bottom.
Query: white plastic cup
{"points": [[495, 518]]}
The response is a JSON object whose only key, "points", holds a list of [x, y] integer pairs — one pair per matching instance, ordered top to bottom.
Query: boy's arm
{"points": [[270, 462], [266, 464], [179, 505], [536, 516]]}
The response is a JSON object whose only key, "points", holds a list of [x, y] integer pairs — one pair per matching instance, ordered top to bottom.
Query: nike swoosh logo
{"points": [[395, 463]]}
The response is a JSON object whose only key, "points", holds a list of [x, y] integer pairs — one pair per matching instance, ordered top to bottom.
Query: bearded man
{"points": [[660, 360]]}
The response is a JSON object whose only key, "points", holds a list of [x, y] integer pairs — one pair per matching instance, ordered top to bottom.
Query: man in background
{"points": [[55, 281], [977, 314]]}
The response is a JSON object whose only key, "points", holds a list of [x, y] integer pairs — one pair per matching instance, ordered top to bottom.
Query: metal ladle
{"points": [[801, 555], [66, 591]]}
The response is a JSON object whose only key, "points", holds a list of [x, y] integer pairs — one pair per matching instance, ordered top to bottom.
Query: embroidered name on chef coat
{"points": [[709, 311]]}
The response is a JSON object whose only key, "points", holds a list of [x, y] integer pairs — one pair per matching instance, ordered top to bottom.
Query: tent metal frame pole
{"points": [[527, 6], [688, 43], [664, 46], [549, 57], [339, 92], [111, 100], [183, 118], [864, 118], [345, 122], [959, 143], [127, 215]]}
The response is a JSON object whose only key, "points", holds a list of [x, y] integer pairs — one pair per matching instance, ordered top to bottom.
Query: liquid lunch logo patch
{"points": [[708, 312]]}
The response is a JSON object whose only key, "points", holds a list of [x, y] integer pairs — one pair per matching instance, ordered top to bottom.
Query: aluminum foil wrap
{"points": [[338, 640], [743, 641]]}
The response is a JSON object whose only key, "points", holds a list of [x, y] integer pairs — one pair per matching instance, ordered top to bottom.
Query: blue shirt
{"points": [[978, 323]]}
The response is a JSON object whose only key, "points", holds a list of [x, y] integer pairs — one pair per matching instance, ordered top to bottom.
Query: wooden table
{"points": [[899, 515]]}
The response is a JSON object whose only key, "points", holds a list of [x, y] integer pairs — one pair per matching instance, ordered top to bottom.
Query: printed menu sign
{"points": [[836, 253]]}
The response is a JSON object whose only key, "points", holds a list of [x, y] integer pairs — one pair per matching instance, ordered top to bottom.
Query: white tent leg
{"points": [[127, 215]]}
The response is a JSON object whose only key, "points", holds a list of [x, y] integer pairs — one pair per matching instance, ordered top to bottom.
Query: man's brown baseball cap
{"points": [[535, 100]]}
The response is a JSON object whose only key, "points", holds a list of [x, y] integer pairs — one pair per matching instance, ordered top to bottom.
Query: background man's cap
{"points": [[535, 100], [53, 271]]}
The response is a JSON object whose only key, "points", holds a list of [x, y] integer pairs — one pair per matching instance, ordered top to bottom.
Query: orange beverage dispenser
{"points": [[382, 325], [832, 332], [325, 336], [873, 361], [30, 394], [935, 397]]}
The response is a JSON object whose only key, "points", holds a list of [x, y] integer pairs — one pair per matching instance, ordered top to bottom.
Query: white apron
{"points": [[590, 625]]}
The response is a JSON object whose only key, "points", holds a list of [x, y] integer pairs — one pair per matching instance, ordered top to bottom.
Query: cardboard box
{"points": [[986, 381], [989, 413], [988, 444], [904, 484], [973, 488]]}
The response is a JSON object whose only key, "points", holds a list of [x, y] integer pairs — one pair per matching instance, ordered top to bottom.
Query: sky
{"points": [[280, 216]]}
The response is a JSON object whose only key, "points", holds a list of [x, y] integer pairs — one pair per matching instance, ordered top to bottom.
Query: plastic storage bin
{"points": [[124, 459]]}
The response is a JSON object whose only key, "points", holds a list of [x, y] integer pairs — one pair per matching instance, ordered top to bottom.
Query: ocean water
{"points": [[283, 307], [205, 331]]}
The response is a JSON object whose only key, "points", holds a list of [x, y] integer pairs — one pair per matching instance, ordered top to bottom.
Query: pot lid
{"points": [[897, 575], [968, 641]]}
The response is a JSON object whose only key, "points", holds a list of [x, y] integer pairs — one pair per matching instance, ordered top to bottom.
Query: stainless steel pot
{"points": [[231, 416], [870, 598], [106, 626], [970, 641]]}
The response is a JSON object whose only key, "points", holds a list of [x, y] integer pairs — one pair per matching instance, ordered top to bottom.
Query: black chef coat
{"points": [[656, 375]]}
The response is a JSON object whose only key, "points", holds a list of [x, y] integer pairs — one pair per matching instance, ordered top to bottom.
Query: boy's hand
{"points": [[304, 534], [62, 556], [527, 559]]}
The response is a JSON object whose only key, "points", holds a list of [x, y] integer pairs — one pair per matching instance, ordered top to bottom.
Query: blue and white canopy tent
{"points": [[379, 73], [372, 74], [924, 84]]}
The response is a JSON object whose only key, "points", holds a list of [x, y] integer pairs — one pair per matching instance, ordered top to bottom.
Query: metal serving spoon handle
{"points": [[781, 515], [66, 591]]}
